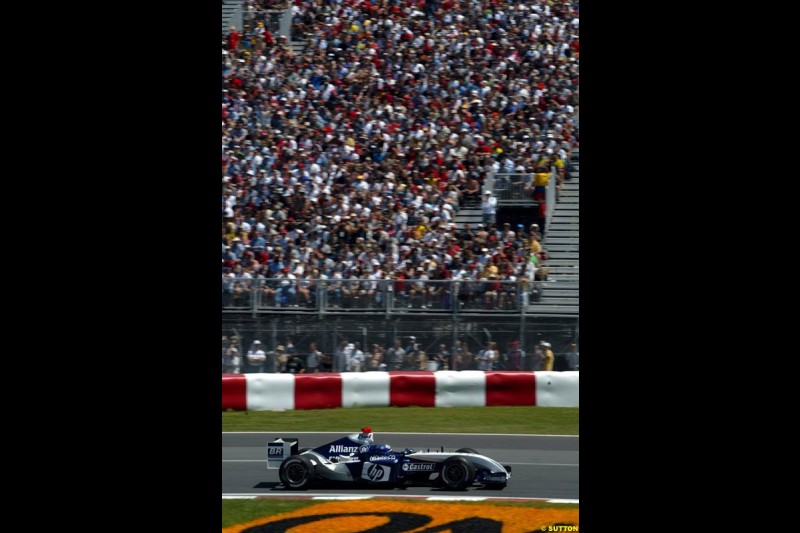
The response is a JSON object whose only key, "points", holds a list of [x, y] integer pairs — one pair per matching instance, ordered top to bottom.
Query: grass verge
{"points": [[523, 420]]}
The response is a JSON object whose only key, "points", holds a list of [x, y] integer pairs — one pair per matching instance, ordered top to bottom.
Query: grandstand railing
{"points": [[271, 19], [512, 186], [515, 186], [550, 196], [374, 296]]}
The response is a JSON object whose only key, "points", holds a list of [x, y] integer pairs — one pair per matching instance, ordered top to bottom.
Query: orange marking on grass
{"points": [[411, 517]]}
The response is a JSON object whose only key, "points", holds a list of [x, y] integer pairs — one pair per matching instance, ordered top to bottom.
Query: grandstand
{"points": [[231, 15], [357, 141], [560, 291]]}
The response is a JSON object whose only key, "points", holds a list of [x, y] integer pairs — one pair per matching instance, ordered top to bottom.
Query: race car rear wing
{"points": [[280, 449]]}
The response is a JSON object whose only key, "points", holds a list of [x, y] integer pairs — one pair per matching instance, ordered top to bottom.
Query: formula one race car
{"points": [[355, 459]]}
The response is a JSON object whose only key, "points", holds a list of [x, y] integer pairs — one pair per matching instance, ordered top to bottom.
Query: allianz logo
{"points": [[340, 448]]}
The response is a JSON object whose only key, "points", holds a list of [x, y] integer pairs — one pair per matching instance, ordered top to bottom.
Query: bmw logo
{"points": [[363, 449]]}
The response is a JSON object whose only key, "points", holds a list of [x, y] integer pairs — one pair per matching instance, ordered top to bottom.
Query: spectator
{"points": [[233, 38], [541, 177], [471, 193], [488, 207], [228, 282], [306, 288], [491, 289], [286, 292], [266, 293], [290, 348], [224, 349], [396, 355], [487, 356], [547, 356], [340, 357], [354, 357], [442, 357], [462, 357], [515, 357], [232, 358], [256, 358], [280, 358], [313, 358], [411, 359], [537, 360], [573, 360], [376, 361], [422, 362], [326, 363], [295, 364]]}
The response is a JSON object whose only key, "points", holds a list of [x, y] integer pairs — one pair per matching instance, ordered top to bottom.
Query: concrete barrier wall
{"points": [[557, 389], [281, 392]]}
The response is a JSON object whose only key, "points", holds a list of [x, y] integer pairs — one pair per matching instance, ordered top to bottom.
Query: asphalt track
{"points": [[543, 466]]}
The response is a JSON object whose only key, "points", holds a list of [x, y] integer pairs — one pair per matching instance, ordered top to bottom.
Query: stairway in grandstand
{"points": [[230, 9], [298, 45], [468, 215], [560, 294]]}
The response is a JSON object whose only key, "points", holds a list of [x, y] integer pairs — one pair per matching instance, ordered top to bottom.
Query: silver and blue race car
{"points": [[356, 459]]}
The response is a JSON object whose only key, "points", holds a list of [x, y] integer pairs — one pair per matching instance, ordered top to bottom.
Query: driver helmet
{"points": [[366, 433], [383, 448]]}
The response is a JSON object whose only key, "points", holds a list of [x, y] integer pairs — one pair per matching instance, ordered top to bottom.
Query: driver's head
{"points": [[366, 433], [383, 448]]}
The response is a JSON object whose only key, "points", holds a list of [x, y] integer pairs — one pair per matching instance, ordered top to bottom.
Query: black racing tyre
{"points": [[466, 450], [296, 472], [457, 473]]}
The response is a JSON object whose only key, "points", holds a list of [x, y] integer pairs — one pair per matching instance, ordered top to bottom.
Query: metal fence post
{"points": [[255, 292], [454, 301]]}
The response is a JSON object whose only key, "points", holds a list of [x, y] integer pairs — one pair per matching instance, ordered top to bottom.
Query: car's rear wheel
{"points": [[466, 450], [296, 472], [457, 473]]}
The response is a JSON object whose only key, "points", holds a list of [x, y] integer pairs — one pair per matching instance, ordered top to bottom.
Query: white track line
{"points": [[344, 433], [504, 462], [539, 464], [318, 496], [341, 497], [456, 498]]}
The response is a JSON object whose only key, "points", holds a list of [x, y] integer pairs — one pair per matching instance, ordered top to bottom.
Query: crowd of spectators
{"points": [[350, 160], [403, 354]]}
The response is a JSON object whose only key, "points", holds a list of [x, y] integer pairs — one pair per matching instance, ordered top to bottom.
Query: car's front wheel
{"points": [[466, 450], [296, 472], [457, 473]]}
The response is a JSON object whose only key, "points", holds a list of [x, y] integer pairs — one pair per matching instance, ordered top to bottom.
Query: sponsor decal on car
{"points": [[340, 448], [363, 449], [276, 450], [383, 458], [416, 467], [375, 472], [495, 477]]}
